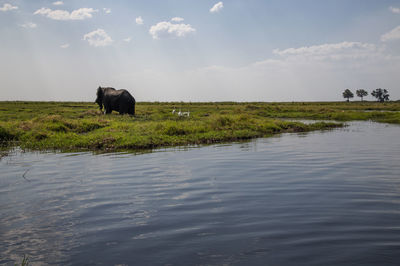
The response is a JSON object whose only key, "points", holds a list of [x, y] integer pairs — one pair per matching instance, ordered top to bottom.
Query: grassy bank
{"points": [[81, 126]]}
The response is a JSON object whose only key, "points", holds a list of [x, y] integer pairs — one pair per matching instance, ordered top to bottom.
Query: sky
{"points": [[192, 50]]}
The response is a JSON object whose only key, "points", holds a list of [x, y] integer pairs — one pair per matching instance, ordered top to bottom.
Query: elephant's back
{"points": [[111, 92], [118, 95], [127, 95]]}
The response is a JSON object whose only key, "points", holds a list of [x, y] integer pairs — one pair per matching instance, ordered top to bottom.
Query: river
{"points": [[321, 198]]}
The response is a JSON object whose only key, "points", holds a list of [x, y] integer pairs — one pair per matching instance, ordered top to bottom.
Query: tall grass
{"points": [[24, 262]]}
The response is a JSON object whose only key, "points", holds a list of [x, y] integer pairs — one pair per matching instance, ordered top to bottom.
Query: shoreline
{"points": [[80, 126]]}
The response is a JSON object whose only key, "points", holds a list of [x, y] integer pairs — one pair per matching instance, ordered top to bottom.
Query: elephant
{"points": [[118, 100]]}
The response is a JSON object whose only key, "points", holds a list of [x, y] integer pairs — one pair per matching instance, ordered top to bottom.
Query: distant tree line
{"points": [[381, 95]]}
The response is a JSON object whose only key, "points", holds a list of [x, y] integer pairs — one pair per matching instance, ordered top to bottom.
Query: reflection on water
{"points": [[320, 199]]}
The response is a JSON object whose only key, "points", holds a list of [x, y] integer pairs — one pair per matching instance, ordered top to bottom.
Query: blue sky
{"points": [[193, 50]]}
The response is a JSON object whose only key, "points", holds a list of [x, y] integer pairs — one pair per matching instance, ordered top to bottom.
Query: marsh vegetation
{"points": [[81, 126]]}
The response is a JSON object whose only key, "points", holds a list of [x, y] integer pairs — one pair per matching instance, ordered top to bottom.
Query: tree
{"points": [[361, 93], [348, 94], [381, 95]]}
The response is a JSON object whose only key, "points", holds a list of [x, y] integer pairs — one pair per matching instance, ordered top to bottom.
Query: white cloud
{"points": [[58, 3], [8, 7], [217, 7], [107, 10], [395, 10], [78, 14], [177, 19], [139, 20], [29, 25], [168, 29], [391, 35], [98, 38], [129, 39], [64, 46], [334, 51], [290, 77]]}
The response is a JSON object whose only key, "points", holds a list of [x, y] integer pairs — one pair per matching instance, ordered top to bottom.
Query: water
{"points": [[323, 198]]}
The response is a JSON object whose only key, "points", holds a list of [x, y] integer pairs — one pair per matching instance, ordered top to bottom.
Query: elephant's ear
{"points": [[99, 91]]}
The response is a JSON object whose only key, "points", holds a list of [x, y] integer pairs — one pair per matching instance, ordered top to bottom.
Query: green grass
{"points": [[81, 126], [24, 262]]}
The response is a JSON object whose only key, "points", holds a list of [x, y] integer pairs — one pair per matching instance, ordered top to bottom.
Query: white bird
{"points": [[173, 111], [180, 113]]}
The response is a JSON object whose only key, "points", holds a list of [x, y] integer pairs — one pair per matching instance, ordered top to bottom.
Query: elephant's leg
{"points": [[122, 110]]}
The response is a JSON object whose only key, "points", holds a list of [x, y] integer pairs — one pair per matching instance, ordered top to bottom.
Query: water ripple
{"points": [[323, 198]]}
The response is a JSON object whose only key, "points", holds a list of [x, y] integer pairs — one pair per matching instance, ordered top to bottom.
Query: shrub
{"points": [[221, 122], [86, 126], [57, 127], [175, 130], [5, 134]]}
